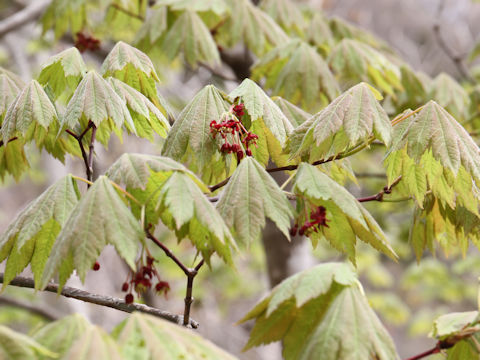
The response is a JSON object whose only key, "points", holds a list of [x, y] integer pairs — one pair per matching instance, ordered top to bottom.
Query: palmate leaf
{"points": [[286, 13], [251, 25], [319, 33], [190, 36], [354, 61], [63, 72], [297, 72], [13, 77], [8, 92], [449, 94], [95, 100], [294, 114], [32, 116], [146, 117], [353, 117], [265, 119], [190, 139], [444, 156], [13, 160], [251, 196], [183, 207], [100, 218], [348, 219], [29, 238], [312, 311], [60, 335], [146, 337], [17, 346]]}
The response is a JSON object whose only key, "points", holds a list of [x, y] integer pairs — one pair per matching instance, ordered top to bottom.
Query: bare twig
{"points": [[128, 12], [24, 16], [455, 58], [10, 140], [87, 159], [379, 196], [167, 252], [108, 301], [34, 309]]}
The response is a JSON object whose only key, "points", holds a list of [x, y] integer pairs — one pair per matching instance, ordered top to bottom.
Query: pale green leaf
{"points": [[219, 7], [286, 13], [318, 31], [13, 77], [8, 92], [449, 94], [294, 114], [353, 117], [13, 160], [251, 196], [186, 210], [100, 218], [348, 218], [453, 323], [146, 337], [93, 343], [17, 346]]}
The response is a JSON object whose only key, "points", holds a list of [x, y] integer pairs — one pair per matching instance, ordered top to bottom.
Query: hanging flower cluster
{"points": [[86, 42], [231, 127], [318, 218], [142, 279]]}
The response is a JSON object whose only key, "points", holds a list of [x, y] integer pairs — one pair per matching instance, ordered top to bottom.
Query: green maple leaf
{"points": [[218, 7], [286, 13], [251, 25], [319, 32], [190, 36], [355, 61], [63, 71], [297, 72], [13, 77], [8, 92], [449, 94], [95, 100], [294, 114], [32, 116], [146, 117], [353, 117], [265, 119], [190, 139], [13, 160], [251, 196], [184, 208], [100, 218], [348, 219], [30, 236], [310, 313], [60, 335], [153, 338], [91, 343], [17, 346]]}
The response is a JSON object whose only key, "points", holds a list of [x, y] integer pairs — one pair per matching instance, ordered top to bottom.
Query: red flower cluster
{"points": [[86, 42], [234, 128], [318, 218], [96, 266], [141, 281]]}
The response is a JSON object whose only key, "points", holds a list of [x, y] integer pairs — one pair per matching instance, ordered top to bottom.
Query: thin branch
{"points": [[128, 12], [23, 17], [455, 58], [9, 140], [86, 158], [370, 175], [379, 196], [188, 297], [108, 301], [34, 309], [434, 350]]}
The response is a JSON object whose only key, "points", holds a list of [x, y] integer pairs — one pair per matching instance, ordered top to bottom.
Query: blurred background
{"points": [[406, 295]]}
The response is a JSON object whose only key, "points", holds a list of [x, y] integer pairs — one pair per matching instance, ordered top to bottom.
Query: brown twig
{"points": [[128, 12], [455, 58], [9, 140], [87, 159], [379, 196], [167, 251], [108, 301]]}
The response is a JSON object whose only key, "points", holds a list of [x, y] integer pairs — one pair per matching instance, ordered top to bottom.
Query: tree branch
{"points": [[128, 12], [24, 16], [456, 59], [12, 139], [87, 159], [379, 196], [167, 252], [108, 301], [34, 309]]}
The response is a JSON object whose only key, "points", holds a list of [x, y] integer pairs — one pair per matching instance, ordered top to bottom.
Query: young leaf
{"points": [[218, 7], [286, 13], [251, 25], [319, 33], [191, 36], [355, 61], [62, 71], [297, 72], [13, 77], [8, 92], [449, 94], [95, 100], [294, 114], [353, 117], [147, 118], [266, 120], [190, 139], [13, 160], [250, 196], [184, 208], [347, 217], [100, 218], [29, 238], [311, 312], [60, 335], [155, 338], [93, 343], [17, 346]]}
